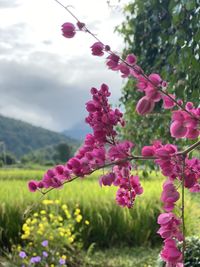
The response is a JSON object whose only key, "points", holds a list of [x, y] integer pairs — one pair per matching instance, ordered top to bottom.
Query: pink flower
{"points": [[68, 30], [97, 49], [131, 59], [113, 61], [124, 69], [155, 79], [153, 94], [168, 103], [144, 106], [178, 130], [148, 151], [107, 179], [32, 185], [169, 195], [170, 252]]}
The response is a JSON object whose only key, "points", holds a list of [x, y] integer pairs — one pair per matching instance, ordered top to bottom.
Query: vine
{"points": [[102, 148]]}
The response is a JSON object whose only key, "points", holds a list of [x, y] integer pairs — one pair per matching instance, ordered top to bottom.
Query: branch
{"points": [[189, 149], [130, 158]]}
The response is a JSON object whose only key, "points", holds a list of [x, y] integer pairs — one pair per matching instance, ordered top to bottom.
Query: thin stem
{"points": [[189, 149], [130, 158], [183, 208]]}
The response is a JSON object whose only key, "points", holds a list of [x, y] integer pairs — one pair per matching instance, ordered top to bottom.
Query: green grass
{"points": [[110, 225], [124, 257]]}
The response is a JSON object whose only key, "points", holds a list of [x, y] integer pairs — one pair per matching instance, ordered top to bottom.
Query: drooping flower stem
{"points": [[183, 207]]}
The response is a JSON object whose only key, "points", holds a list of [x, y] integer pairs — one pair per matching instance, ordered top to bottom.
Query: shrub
{"points": [[51, 237]]}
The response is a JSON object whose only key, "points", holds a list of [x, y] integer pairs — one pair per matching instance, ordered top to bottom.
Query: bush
{"points": [[51, 237]]}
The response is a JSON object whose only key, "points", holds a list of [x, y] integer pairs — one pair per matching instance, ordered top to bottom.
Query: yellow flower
{"points": [[57, 201], [47, 202], [64, 207], [42, 212], [77, 212], [35, 214], [68, 215], [51, 216], [60, 218], [79, 218], [28, 220], [34, 221], [87, 222], [25, 227], [24, 237], [51, 237], [71, 239], [30, 243], [19, 248], [34, 254], [64, 257], [52, 265]]}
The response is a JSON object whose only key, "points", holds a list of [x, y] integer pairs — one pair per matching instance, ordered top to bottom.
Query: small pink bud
{"points": [[80, 25], [68, 30], [107, 48], [144, 106], [189, 106]]}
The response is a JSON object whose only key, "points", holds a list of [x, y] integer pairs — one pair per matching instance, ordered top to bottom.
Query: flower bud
{"points": [[68, 30], [144, 106]]}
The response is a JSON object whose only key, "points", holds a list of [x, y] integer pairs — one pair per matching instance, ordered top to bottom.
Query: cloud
{"points": [[9, 3], [13, 39], [45, 79], [47, 90]]}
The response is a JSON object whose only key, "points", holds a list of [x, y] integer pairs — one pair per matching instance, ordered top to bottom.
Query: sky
{"points": [[45, 79]]}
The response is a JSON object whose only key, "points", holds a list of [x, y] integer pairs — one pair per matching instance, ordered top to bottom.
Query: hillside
{"points": [[78, 131], [21, 138]]}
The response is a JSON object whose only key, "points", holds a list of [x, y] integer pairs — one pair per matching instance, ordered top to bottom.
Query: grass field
{"points": [[109, 224]]}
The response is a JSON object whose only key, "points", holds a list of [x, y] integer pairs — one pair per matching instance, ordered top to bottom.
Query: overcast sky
{"points": [[45, 78]]}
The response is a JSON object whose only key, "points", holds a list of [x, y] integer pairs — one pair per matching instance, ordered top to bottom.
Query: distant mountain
{"points": [[78, 131], [21, 138]]}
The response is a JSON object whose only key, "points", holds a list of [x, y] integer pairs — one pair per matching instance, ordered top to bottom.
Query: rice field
{"points": [[110, 225]]}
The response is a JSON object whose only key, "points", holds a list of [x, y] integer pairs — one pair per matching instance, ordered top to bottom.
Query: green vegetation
{"points": [[164, 34], [21, 138], [50, 155], [110, 225], [124, 257]]}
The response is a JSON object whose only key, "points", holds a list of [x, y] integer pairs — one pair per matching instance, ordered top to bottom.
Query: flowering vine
{"points": [[103, 148]]}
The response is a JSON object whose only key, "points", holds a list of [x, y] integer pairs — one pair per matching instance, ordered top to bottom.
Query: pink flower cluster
{"points": [[101, 117], [184, 125], [98, 150], [171, 164], [129, 185], [169, 196], [171, 233]]}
